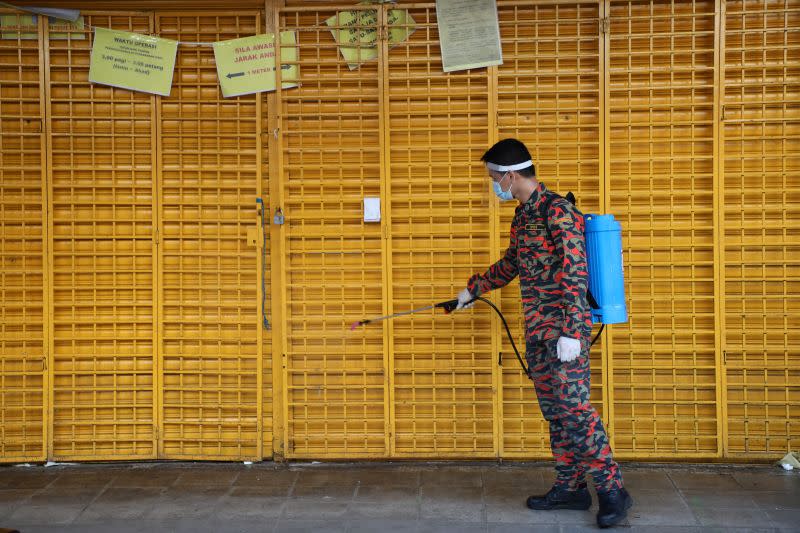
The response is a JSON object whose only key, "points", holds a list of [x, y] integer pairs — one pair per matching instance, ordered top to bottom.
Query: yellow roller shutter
{"points": [[548, 96], [661, 97], [331, 146], [761, 157], [102, 190], [22, 251], [210, 307], [443, 378]]}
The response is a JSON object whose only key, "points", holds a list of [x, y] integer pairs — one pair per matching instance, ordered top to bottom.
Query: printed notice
{"points": [[19, 27], [26, 27], [356, 32], [469, 35], [132, 61], [247, 65]]}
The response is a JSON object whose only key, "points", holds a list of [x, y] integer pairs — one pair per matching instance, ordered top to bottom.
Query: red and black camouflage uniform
{"points": [[553, 281]]}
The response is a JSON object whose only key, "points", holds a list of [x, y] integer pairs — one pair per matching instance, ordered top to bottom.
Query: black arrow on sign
{"points": [[234, 74]]}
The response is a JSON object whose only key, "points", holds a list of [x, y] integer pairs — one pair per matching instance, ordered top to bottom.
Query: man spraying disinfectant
{"points": [[547, 250]]}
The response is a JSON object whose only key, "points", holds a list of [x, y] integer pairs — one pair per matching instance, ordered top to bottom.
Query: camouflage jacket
{"points": [[553, 274]]}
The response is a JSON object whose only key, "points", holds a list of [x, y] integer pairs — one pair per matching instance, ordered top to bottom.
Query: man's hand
{"points": [[463, 297], [568, 349]]}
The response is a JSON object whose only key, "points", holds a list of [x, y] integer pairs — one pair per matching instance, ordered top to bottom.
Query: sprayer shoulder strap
{"points": [[544, 210], [545, 214]]}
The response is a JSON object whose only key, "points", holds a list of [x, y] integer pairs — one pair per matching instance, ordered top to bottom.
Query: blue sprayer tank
{"points": [[604, 258]]}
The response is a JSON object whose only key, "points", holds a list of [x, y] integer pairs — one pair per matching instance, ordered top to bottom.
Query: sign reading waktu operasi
{"points": [[132, 61]]}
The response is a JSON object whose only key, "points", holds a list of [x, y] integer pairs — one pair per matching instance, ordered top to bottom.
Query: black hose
{"points": [[599, 332], [510, 337]]}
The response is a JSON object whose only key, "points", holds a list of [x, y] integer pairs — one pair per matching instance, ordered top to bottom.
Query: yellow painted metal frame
{"points": [[44, 57], [272, 142], [606, 206], [719, 234], [277, 250], [158, 276], [497, 331], [607, 340], [24, 370], [390, 427]]}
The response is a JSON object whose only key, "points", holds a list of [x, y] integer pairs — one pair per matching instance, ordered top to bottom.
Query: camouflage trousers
{"points": [[577, 436]]}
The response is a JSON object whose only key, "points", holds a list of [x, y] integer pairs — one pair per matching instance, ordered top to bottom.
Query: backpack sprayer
{"points": [[606, 293]]}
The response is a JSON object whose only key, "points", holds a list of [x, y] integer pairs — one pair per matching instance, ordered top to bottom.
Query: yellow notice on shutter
{"points": [[18, 27], [356, 32], [132, 61], [247, 65]]}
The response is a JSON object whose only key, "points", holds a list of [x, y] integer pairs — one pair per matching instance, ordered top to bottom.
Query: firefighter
{"points": [[547, 251]]}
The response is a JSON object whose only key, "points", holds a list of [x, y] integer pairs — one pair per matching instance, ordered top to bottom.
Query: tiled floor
{"points": [[382, 498]]}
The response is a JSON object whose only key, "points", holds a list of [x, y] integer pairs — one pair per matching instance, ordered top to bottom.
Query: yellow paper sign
{"points": [[18, 27], [25, 27], [356, 32], [132, 61], [247, 65]]}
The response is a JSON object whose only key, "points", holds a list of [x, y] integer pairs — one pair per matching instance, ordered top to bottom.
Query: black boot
{"points": [[560, 498], [614, 507]]}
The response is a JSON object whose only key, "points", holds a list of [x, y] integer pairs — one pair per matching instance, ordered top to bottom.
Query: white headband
{"points": [[509, 168]]}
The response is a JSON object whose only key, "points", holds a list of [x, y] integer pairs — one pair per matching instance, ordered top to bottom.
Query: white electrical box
{"points": [[372, 209]]}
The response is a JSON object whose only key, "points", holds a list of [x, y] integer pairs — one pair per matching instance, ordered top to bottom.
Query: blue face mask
{"points": [[498, 190]]}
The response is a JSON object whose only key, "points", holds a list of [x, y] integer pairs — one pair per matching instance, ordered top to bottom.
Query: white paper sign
{"points": [[469, 34]]}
